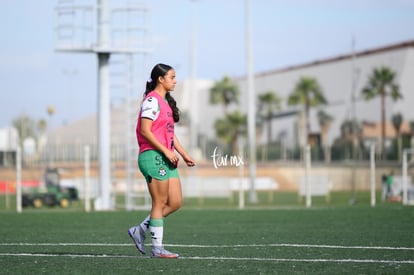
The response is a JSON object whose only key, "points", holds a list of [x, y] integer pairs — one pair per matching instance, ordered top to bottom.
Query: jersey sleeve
{"points": [[150, 108]]}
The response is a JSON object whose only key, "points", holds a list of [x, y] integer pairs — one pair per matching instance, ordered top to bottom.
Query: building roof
{"points": [[402, 45]]}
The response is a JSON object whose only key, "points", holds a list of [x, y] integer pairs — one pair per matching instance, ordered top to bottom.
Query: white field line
{"points": [[219, 246], [215, 258]]}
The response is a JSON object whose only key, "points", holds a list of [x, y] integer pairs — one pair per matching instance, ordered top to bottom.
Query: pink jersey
{"points": [[156, 108]]}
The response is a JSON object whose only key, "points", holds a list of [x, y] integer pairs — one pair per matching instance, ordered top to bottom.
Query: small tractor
{"points": [[52, 194]]}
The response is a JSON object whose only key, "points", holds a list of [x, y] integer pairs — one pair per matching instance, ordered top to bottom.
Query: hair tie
{"points": [[149, 80]]}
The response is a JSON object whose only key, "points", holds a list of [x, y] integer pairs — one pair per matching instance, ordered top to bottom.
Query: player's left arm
{"points": [[180, 149]]}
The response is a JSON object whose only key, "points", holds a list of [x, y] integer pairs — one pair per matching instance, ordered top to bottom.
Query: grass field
{"points": [[326, 239]]}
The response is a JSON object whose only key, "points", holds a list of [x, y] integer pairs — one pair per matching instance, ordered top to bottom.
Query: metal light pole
{"points": [[194, 98], [104, 108], [251, 118], [354, 128], [372, 169], [18, 178]]}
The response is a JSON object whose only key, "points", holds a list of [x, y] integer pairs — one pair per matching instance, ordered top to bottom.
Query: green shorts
{"points": [[153, 164]]}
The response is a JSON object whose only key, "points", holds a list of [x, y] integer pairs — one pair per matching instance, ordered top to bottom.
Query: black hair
{"points": [[160, 70]]}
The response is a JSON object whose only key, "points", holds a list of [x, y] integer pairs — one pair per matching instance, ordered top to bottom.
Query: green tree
{"points": [[382, 83], [224, 92], [309, 93], [268, 103], [397, 120], [325, 121], [41, 126], [26, 127], [230, 128], [343, 146]]}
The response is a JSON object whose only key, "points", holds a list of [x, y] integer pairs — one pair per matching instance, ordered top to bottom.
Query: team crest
{"points": [[162, 172]]}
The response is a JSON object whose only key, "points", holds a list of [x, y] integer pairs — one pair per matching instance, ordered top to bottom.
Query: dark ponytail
{"points": [[157, 71], [150, 86], [173, 105]]}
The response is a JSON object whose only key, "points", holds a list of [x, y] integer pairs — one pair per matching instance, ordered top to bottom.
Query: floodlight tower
{"points": [[75, 32], [251, 110], [104, 117]]}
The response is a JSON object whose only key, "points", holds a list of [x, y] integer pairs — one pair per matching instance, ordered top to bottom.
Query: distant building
{"points": [[337, 76], [371, 132]]}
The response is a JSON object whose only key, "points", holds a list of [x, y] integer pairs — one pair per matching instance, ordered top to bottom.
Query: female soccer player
{"points": [[157, 159]]}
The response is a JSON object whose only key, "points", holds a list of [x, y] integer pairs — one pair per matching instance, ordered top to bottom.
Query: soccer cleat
{"points": [[138, 236], [163, 253]]}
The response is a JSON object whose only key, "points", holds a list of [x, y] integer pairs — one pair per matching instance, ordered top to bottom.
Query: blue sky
{"points": [[34, 76]]}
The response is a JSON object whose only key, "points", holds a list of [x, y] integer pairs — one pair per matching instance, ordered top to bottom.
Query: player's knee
{"points": [[159, 202], [175, 205]]}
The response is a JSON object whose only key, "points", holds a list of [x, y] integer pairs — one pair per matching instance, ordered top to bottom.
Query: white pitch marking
{"points": [[296, 245], [219, 246], [214, 258], [304, 260]]}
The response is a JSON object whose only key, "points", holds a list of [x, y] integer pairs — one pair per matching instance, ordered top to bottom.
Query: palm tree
{"points": [[381, 83], [224, 92], [309, 93], [268, 102], [397, 120], [325, 121], [25, 126], [41, 126], [229, 128], [41, 129], [350, 130]]}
